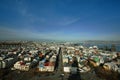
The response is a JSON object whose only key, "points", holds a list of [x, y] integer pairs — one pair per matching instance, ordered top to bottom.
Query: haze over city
{"points": [[59, 19]]}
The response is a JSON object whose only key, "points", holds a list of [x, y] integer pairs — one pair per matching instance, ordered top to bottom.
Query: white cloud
{"points": [[22, 8], [68, 21], [27, 34]]}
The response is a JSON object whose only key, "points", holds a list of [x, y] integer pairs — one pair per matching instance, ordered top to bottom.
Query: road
{"points": [[58, 74], [32, 75]]}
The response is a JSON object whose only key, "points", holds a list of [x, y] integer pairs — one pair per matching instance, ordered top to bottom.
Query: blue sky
{"points": [[60, 19]]}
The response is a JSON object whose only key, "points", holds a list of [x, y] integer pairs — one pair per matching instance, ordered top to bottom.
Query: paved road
{"points": [[58, 69], [31, 75], [56, 75]]}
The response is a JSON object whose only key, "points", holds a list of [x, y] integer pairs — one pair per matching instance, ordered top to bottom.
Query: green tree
{"points": [[113, 47]]}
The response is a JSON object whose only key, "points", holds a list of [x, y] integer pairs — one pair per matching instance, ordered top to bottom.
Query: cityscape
{"points": [[59, 40], [21, 60]]}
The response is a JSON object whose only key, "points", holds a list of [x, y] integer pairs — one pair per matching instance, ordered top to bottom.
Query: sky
{"points": [[60, 19]]}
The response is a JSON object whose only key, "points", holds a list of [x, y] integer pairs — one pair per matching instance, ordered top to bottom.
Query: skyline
{"points": [[59, 19]]}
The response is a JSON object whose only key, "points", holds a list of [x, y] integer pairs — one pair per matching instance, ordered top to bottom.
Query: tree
{"points": [[113, 47], [106, 48]]}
